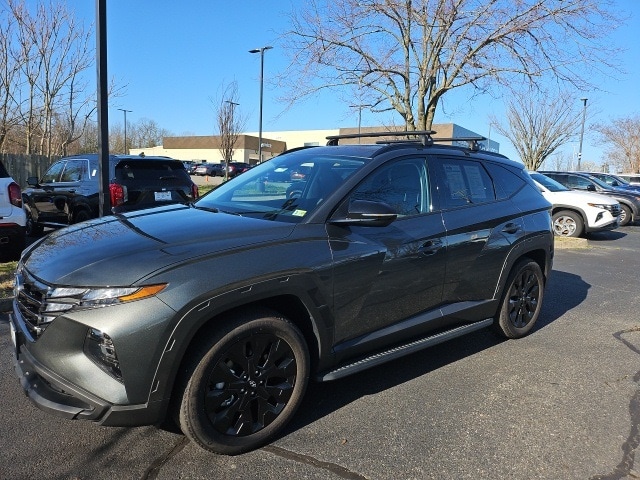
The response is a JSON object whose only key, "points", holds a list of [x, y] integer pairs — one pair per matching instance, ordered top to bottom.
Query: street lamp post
{"points": [[261, 52], [359, 107], [584, 115], [125, 128]]}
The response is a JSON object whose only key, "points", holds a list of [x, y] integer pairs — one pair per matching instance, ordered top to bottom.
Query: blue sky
{"points": [[173, 58]]}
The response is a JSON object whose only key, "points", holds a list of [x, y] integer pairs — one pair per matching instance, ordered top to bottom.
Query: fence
{"points": [[21, 167]]}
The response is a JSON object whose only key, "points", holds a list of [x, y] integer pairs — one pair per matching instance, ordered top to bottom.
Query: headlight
{"points": [[601, 206], [62, 299]]}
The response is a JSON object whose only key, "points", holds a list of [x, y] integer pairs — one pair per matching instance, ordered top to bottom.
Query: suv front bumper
{"points": [[56, 395]]}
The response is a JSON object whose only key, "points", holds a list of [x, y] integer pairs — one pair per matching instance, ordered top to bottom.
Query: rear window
{"points": [[3, 171], [151, 172]]}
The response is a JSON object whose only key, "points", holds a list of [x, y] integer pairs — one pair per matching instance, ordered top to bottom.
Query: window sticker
{"points": [[455, 180], [476, 184], [299, 213]]}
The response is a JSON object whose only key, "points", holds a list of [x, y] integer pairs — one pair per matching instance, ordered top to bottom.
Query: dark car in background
{"points": [[236, 168], [615, 181], [68, 191], [629, 200], [217, 314]]}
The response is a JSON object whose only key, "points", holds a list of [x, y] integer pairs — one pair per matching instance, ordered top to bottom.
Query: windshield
{"points": [[549, 183], [286, 188]]}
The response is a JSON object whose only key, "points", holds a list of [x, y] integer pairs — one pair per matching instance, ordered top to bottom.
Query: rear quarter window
{"points": [[507, 182]]}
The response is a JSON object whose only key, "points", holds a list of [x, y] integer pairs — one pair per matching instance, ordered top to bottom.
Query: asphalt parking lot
{"points": [[562, 403]]}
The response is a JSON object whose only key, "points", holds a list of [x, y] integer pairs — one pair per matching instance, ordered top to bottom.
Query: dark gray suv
{"points": [[68, 191], [216, 314]]}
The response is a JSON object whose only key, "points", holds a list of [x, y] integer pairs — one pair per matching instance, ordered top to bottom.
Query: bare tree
{"points": [[406, 54], [9, 76], [230, 121], [538, 124], [146, 133], [622, 137]]}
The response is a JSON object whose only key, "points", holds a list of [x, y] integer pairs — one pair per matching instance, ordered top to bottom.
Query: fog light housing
{"points": [[99, 347]]}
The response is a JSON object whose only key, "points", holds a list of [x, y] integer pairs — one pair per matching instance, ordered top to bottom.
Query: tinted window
{"points": [[74, 171], [150, 172], [53, 174], [463, 182], [507, 183], [580, 183], [402, 185]]}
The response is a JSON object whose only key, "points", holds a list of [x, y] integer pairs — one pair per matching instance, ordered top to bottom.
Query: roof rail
{"points": [[424, 136], [472, 142]]}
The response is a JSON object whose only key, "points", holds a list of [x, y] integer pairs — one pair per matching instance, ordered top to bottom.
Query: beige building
{"points": [[207, 148]]}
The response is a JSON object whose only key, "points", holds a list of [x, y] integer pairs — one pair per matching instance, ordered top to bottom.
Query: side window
{"points": [[74, 171], [52, 175], [463, 183], [579, 183], [402, 185]]}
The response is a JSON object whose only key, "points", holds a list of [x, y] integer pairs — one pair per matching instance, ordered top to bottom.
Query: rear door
{"points": [[482, 225]]}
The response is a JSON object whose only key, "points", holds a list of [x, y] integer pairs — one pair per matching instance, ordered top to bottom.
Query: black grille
{"points": [[614, 209], [31, 298]]}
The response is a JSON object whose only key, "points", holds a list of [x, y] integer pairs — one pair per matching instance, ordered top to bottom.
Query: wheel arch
{"points": [[572, 208], [288, 305]]}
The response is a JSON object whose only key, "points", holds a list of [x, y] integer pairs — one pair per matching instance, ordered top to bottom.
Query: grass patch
{"points": [[202, 189], [6, 279]]}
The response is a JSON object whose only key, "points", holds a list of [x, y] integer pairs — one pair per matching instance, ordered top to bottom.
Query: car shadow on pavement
{"points": [[564, 291]]}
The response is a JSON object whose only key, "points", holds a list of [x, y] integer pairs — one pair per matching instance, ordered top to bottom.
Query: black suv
{"points": [[68, 191], [628, 199], [216, 314]]}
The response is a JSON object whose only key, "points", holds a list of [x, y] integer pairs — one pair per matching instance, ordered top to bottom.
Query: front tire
{"points": [[625, 215], [567, 224], [521, 301], [243, 383]]}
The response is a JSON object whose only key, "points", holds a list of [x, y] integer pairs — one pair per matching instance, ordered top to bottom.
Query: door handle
{"points": [[511, 228], [430, 247]]}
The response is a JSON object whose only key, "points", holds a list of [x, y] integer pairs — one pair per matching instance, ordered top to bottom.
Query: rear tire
{"points": [[81, 216], [31, 228], [521, 300], [243, 383]]}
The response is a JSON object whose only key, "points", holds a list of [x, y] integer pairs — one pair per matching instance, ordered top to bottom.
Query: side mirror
{"points": [[33, 181], [591, 188], [366, 213]]}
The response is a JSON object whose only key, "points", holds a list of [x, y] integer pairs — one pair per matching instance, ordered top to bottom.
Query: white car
{"points": [[576, 212], [12, 217]]}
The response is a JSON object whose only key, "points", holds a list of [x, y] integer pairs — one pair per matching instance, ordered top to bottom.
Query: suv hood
{"points": [[574, 197], [99, 252]]}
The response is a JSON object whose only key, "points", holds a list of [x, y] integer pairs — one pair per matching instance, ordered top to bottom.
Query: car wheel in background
{"points": [[625, 215], [81, 216], [567, 224], [31, 229], [521, 301], [243, 383]]}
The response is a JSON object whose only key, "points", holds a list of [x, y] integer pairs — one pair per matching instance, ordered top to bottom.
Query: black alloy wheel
{"points": [[522, 300], [244, 384]]}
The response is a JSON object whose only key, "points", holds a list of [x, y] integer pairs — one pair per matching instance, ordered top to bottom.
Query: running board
{"points": [[397, 352]]}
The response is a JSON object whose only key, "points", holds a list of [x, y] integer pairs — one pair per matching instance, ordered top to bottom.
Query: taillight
{"points": [[194, 191], [118, 194], [15, 195]]}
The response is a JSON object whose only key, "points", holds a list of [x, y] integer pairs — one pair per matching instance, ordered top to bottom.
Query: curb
{"points": [[562, 243]]}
